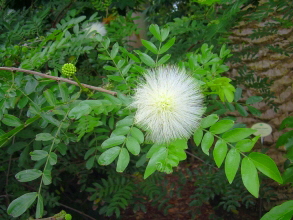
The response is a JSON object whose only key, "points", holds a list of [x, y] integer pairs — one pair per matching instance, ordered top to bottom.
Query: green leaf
{"points": [[155, 30], [165, 33], [106, 42], [167, 45], [150, 46], [114, 50], [104, 57], [133, 57], [164, 59], [147, 60], [110, 68], [126, 69], [115, 78], [31, 86], [64, 92], [229, 94], [237, 94], [50, 97], [253, 99], [22, 102], [230, 106], [241, 109], [80, 110], [254, 111], [11, 120], [127, 121], [209, 121], [287, 123], [221, 126], [121, 131], [137, 134], [237, 134], [198, 136], [44, 137], [113, 141], [207, 141], [179, 143], [133, 145], [245, 145], [16, 147], [62, 148], [153, 150], [89, 152], [220, 152], [161, 154], [38, 155], [109, 156], [52, 158], [123, 160], [90, 162], [231, 164], [266, 165], [28, 175], [288, 175], [249, 176], [47, 179], [18, 206], [40, 207], [280, 212]]}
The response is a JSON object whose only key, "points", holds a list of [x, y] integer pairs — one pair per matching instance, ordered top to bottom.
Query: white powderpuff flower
{"points": [[97, 27], [169, 104]]}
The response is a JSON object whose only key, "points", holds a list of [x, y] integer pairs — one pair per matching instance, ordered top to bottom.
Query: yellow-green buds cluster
{"points": [[68, 69]]}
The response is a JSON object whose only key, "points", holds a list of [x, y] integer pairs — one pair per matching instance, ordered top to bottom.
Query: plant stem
{"points": [[58, 79]]}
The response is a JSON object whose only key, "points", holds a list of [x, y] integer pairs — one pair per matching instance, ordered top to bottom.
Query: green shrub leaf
{"points": [[155, 30], [167, 45], [150, 46], [147, 59], [253, 99], [11, 120], [209, 121], [221, 126], [137, 134], [237, 134], [198, 136], [44, 137], [113, 141], [207, 141], [133, 145], [220, 152], [161, 154], [38, 155], [109, 156], [123, 160], [231, 164], [266, 165], [28, 175], [249, 176], [47, 178], [18, 206], [40, 207], [280, 212]]}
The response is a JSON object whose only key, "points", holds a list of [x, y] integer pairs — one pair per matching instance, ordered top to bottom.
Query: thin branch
{"points": [[59, 79], [200, 159], [65, 206]]}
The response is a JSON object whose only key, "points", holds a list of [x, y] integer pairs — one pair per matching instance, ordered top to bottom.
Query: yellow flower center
{"points": [[164, 103]]}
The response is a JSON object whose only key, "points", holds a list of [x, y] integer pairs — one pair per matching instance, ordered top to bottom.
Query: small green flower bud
{"points": [[68, 69]]}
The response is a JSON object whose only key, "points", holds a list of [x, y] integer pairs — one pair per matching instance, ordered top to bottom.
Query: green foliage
{"points": [[51, 127]]}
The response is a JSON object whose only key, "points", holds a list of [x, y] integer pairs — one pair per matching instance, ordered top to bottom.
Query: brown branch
{"points": [[59, 79], [65, 206]]}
